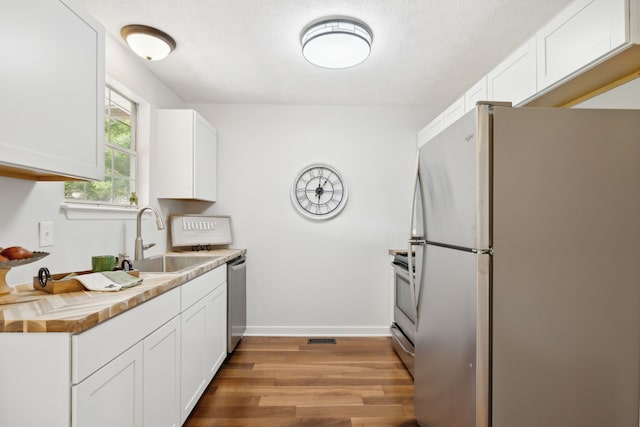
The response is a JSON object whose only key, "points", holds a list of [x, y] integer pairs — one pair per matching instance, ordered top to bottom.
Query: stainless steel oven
{"points": [[403, 329]]}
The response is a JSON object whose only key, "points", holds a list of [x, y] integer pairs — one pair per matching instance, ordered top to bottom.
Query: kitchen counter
{"points": [[397, 251], [74, 312]]}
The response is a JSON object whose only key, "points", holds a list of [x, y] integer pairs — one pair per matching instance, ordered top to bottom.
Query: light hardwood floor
{"points": [[280, 382]]}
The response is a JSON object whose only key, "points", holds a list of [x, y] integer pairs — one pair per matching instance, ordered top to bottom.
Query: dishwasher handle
{"points": [[238, 264]]}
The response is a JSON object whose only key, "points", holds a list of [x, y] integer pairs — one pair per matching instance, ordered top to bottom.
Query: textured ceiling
{"points": [[425, 52]]}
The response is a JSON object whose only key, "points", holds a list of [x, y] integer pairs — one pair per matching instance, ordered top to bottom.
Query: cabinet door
{"points": [[580, 34], [514, 80], [52, 86], [478, 92], [454, 112], [448, 116], [431, 130], [187, 156], [205, 160], [216, 330], [204, 345], [193, 356], [34, 373], [161, 377], [112, 396]]}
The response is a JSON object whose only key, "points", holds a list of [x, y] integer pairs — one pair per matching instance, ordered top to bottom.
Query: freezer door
{"points": [[449, 167], [447, 375]]}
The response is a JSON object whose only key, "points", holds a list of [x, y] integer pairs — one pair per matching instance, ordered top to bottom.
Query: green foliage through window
{"points": [[119, 157]]}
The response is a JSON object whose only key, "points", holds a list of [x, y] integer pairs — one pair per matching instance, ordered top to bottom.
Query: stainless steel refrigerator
{"points": [[526, 229]]}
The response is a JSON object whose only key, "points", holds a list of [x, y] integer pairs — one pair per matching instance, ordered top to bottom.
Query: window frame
{"points": [[133, 152], [102, 212]]}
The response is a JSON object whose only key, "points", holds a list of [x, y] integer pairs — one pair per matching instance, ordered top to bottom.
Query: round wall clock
{"points": [[319, 191]]}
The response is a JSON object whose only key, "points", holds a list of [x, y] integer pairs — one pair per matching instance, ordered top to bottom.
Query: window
{"points": [[119, 157]]}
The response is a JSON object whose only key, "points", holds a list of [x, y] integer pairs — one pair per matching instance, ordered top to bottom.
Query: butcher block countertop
{"points": [[75, 312]]}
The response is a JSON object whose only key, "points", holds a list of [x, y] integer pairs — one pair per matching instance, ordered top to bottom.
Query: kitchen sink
{"points": [[170, 263]]}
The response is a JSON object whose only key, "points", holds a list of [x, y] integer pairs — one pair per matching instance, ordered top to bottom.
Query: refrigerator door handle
{"points": [[416, 182], [414, 241]]}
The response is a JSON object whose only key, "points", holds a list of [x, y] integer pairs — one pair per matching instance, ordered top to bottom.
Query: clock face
{"points": [[319, 192]]}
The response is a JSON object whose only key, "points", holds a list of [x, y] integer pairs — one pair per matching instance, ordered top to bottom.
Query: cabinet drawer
{"points": [[197, 288], [94, 348]]}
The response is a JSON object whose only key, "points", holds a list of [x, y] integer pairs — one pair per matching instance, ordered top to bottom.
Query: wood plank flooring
{"points": [[281, 382]]}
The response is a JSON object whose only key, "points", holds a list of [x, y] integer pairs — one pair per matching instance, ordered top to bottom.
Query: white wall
{"points": [[24, 203], [304, 276]]}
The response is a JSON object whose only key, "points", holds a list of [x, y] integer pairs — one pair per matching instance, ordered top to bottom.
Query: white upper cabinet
{"points": [[580, 34], [589, 45], [514, 79], [52, 86], [478, 92], [454, 112], [437, 125], [431, 130], [186, 156]]}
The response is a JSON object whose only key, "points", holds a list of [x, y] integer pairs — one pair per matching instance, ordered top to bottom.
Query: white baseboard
{"points": [[311, 331]]}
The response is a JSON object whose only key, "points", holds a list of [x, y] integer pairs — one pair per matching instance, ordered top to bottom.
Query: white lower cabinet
{"points": [[194, 330], [203, 347], [216, 350], [145, 367], [161, 376], [34, 379], [112, 396]]}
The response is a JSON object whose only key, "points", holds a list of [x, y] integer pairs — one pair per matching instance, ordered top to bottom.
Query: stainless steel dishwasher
{"points": [[236, 301]]}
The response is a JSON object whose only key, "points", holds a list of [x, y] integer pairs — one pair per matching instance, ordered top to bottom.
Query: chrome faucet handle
{"points": [[150, 245]]}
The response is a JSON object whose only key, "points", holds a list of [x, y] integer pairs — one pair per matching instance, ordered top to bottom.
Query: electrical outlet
{"points": [[46, 233]]}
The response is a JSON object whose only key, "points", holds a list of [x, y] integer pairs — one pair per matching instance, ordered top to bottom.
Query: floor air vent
{"points": [[321, 341]]}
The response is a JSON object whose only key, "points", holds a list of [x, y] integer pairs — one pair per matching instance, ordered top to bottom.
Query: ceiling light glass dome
{"points": [[148, 42], [336, 43]]}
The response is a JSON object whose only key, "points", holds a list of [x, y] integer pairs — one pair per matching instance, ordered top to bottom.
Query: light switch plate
{"points": [[46, 233]]}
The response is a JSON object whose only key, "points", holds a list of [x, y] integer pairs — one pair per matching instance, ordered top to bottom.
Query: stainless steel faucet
{"points": [[140, 247]]}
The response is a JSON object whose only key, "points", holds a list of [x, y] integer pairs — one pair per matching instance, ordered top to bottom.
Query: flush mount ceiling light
{"points": [[148, 42], [336, 43]]}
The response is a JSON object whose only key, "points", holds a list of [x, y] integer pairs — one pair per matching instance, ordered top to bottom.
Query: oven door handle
{"points": [[400, 341]]}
